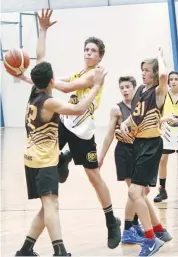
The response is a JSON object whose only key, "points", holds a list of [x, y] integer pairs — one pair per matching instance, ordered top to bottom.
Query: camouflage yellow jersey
{"points": [[145, 115], [82, 126], [170, 128], [41, 148]]}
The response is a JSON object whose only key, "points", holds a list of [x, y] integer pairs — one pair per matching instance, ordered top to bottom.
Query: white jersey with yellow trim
{"points": [[82, 126], [169, 128]]}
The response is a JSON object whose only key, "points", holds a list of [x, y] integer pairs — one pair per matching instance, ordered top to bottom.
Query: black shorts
{"points": [[83, 151], [167, 151], [146, 157], [123, 160], [41, 181]]}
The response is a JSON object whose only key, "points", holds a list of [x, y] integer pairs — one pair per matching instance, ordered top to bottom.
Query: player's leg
{"points": [[143, 152], [84, 153], [64, 157], [124, 166], [47, 184], [162, 195], [37, 225]]}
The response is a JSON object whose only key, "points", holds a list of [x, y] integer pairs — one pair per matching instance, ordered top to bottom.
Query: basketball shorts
{"points": [[84, 152], [146, 157], [123, 160], [41, 181]]}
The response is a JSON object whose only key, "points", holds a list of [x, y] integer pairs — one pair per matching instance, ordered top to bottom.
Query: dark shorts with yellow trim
{"points": [[83, 152], [146, 157], [41, 181]]}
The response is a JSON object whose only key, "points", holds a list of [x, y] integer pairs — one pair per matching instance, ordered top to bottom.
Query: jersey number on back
{"points": [[139, 109], [31, 115]]}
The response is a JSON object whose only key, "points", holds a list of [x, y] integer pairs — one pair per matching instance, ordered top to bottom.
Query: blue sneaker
{"points": [[139, 230], [130, 236], [164, 236], [150, 246]]}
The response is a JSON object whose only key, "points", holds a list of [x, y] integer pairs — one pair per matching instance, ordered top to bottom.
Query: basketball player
{"points": [[78, 131], [170, 132], [147, 149], [123, 150], [42, 152]]}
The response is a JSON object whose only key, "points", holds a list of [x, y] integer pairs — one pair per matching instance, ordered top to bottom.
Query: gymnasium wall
{"points": [[131, 33]]}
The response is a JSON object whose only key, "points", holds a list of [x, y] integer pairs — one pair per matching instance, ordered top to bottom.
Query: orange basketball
{"points": [[16, 61]]}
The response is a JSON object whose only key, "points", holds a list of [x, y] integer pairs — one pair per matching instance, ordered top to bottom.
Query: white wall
{"points": [[131, 33]]}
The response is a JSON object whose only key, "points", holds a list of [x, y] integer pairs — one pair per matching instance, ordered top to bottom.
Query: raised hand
{"points": [[44, 19], [99, 76]]}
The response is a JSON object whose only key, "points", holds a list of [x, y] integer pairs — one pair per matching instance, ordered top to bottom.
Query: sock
{"points": [[162, 182], [110, 219], [135, 220], [128, 224], [158, 228], [149, 234], [28, 245], [59, 248]]}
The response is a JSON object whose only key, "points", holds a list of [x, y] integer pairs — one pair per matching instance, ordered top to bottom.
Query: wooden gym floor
{"points": [[83, 222]]}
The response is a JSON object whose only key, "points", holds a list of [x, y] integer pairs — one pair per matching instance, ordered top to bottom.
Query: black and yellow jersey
{"points": [[125, 111], [145, 115], [42, 137]]}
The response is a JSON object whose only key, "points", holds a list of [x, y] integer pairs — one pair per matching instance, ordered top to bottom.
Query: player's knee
{"points": [[163, 161], [94, 176], [147, 190], [134, 192], [50, 203]]}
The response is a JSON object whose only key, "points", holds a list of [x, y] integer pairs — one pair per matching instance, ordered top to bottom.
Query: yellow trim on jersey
{"points": [[150, 125]]}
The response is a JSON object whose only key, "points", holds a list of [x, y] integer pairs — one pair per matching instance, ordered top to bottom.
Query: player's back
{"points": [[42, 136]]}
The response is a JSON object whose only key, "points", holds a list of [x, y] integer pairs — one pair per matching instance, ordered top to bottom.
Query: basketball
{"points": [[16, 61]]}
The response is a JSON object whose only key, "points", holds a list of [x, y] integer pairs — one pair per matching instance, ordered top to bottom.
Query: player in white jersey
{"points": [[79, 131], [169, 132]]}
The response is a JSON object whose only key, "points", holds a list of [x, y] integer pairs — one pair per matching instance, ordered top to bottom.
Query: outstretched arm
{"points": [[45, 23], [86, 81], [162, 89], [80, 108], [114, 114]]}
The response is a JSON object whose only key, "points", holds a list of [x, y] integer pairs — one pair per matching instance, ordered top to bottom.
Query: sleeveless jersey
{"points": [[125, 111], [145, 115], [82, 126], [169, 128], [42, 137]]}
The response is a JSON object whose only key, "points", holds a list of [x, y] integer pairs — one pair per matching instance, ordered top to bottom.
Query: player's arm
{"points": [[45, 23], [25, 78], [64, 79], [86, 81], [162, 89], [83, 105], [72, 109], [114, 114], [169, 117], [125, 126]]}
